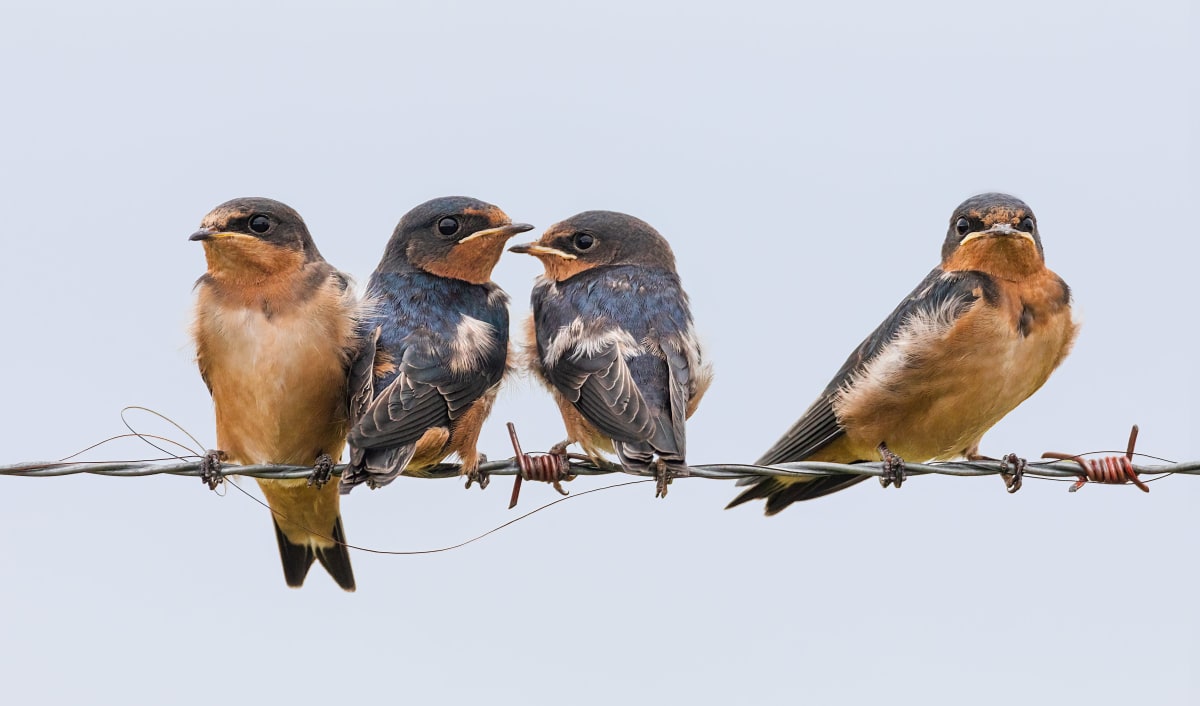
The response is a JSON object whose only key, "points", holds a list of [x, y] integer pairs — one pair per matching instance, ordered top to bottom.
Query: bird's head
{"points": [[994, 233], [453, 236], [253, 238], [596, 239]]}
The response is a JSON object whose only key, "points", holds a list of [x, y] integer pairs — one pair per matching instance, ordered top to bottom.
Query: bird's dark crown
{"points": [[249, 215], [417, 237], [601, 238]]}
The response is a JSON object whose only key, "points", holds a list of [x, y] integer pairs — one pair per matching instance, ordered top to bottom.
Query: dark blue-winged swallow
{"points": [[436, 331], [612, 338]]}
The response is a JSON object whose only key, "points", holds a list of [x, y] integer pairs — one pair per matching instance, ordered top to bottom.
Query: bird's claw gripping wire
{"points": [[893, 467], [210, 468], [552, 468], [1116, 470], [322, 472], [478, 475], [663, 477], [1012, 481]]}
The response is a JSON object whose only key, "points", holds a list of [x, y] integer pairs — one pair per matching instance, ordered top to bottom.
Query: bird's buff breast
{"points": [[278, 382], [935, 393]]}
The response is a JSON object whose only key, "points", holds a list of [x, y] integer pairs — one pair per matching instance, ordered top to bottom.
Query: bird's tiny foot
{"points": [[560, 449], [893, 467], [210, 468], [322, 471], [475, 475], [663, 477], [1012, 481]]}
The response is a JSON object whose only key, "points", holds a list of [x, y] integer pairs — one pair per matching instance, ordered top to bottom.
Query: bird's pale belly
{"points": [[278, 385], [936, 398]]}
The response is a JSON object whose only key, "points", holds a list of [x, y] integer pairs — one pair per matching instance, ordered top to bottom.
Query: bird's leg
{"points": [[560, 449], [893, 467], [210, 468], [322, 471], [474, 475], [663, 477], [1012, 481]]}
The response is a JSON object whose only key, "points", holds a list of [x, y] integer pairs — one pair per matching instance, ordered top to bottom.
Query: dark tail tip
{"points": [[761, 489], [779, 494], [296, 558], [336, 559]]}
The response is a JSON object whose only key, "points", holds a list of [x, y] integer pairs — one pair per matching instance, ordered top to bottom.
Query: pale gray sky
{"points": [[802, 162]]}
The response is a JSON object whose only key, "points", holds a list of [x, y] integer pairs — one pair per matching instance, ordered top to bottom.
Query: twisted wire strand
{"points": [[1058, 469]]}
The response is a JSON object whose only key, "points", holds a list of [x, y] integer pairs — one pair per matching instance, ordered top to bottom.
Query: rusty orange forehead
{"points": [[491, 213], [999, 214], [220, 217]]}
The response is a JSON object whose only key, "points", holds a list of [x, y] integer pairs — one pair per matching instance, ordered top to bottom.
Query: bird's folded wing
{"points": [[930, 310], [593, 375], [424, 394]]}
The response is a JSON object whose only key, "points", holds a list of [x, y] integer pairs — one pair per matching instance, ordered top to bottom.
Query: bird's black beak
{"points": [[514, 228], [999, 230], [506, 232], [202, 234], [539, 250]]}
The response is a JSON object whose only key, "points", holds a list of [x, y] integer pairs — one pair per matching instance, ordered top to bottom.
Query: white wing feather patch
{"points": [[920, 331], [472, 339], [585, 343]]}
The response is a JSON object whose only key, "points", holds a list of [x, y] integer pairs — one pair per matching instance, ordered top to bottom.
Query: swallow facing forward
{"points": [[275, 331], [436, 332], [977, 337], [612, 338]]}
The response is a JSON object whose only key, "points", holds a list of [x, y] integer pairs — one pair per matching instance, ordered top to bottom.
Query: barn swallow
{"points": [[275, 332], [436, 332], [979, 335], [612, 338]]}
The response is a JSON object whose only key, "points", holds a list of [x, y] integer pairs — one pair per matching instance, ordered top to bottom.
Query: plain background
{"points": [[803, 163]]}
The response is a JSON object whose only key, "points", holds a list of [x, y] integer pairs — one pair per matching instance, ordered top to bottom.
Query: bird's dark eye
{"points": [[260, 224], [1026, 225], [448, 226], [962, 226], [583, 241]]}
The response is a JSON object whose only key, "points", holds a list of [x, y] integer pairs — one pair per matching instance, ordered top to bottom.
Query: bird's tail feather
{"points": [[641, 457], [375, 467], [781, 492], [298, 558], [336, 559]]}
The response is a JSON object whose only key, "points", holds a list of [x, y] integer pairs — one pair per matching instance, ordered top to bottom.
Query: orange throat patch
{"points": [[1007, 257]]}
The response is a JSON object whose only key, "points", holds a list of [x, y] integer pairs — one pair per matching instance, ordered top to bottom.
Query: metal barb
{"points": [[552, 468], [1111, 470]]}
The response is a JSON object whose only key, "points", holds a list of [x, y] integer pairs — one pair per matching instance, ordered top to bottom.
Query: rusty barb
{"points": [[553, 467], [1115, 470]]}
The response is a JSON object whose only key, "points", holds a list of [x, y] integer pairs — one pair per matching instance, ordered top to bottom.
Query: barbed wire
{"points": [[510, 467], [554, 468]]}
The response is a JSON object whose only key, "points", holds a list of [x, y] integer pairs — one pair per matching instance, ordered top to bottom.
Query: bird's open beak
{"points": [[999, 230], [505, 232], [540, 251]]}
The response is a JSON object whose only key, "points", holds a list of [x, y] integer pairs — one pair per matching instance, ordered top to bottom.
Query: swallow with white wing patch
{"points": [[274, 332], [977, 337], [612, 338], [437, 344]]}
